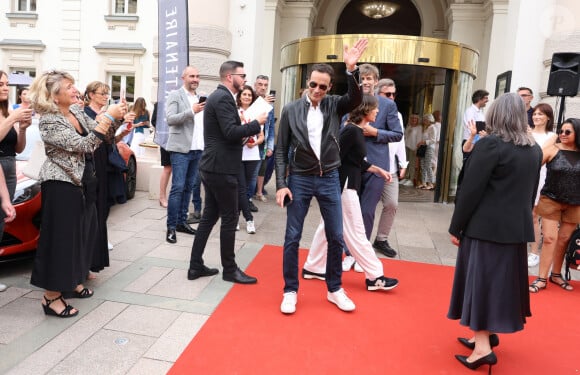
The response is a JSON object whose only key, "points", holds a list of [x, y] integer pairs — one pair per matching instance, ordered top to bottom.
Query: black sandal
{"points": [[564, 285], [535, 288], [83, 293], [66, 313]]}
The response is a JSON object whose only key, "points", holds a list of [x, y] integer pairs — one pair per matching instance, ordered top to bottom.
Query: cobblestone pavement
{"points": [[145, 311]]}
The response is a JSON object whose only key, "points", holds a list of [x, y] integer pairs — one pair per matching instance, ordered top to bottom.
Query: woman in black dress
{"points": [[96, 101], [67, 185], [492, 224]]}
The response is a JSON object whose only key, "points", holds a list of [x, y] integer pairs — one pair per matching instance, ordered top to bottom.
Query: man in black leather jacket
{"points": [[307, 161]]}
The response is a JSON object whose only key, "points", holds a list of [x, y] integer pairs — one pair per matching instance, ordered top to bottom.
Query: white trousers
{"points": [[138, 138], [354, 238]]}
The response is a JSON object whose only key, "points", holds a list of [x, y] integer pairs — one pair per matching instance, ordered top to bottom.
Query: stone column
{"points": [[210, 39]]}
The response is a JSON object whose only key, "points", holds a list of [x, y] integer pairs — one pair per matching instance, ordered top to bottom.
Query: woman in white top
{"points": [[437, 116], [543, 118], [413, 134], [429, 139], [250, 158]]}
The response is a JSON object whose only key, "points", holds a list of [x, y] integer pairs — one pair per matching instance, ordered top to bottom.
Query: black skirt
{"points": [[60, 263], [490, 286]]}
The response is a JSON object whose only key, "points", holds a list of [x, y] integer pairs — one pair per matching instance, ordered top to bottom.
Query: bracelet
{"points": [[109, 117]]}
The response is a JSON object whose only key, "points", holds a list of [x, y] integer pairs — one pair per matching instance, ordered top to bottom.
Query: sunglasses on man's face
{"points": [[314, 85], [390, 94], [565, 132]]}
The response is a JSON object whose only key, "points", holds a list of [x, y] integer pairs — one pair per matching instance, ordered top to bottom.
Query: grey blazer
{"points": [[180, 120]]}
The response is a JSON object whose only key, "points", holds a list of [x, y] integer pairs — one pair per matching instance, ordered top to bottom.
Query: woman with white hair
{"points": [[429, 140]]}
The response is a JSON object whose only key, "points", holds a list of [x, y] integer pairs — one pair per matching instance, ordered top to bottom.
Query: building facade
{"points": [[115, 41]]}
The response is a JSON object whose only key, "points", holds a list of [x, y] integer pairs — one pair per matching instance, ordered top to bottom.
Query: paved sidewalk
{"points": [[145, 311]]}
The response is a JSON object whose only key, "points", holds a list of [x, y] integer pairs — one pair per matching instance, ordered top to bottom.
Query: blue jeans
{"points": [[184, 167], [251, 176], [326, 189], [196, 193]]}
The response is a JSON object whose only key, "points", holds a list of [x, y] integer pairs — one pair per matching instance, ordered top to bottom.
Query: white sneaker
{"points": [[402, 182], [408, 183], [250, 228], [110, 246], [533, 260], [347, 263], [358, 268], [2, 287], [340, 299], [288, 305]]}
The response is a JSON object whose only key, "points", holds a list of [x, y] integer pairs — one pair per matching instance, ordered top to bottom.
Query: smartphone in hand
{"points": [[272, 92], [202, 99], [480, 126], [287, 200]]}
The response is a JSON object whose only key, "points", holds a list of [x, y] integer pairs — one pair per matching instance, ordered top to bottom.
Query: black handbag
{"points": [[421, 150], [116, 161]]}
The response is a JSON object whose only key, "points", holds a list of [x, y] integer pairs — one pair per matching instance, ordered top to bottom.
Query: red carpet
{"points": [[403, 331]]}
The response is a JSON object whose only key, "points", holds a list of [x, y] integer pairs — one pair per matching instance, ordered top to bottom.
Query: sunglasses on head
{"points": [[314, 85], [565, 132]]}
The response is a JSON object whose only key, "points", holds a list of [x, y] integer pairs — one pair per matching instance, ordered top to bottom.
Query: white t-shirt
{"points": [[472, 113], [314, 123], [413, 135], [197, 138], [250, 153]]}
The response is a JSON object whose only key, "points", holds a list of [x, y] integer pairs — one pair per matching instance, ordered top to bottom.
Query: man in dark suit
{"points": [[182, 105], [219, 168]]}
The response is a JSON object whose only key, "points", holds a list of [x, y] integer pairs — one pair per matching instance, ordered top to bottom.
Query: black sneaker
{"points": [[253, 207], [384, 248], [312, 275], [382, 283]]}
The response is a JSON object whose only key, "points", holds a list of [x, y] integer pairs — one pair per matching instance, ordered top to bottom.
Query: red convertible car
{"points": [[20, 236]]}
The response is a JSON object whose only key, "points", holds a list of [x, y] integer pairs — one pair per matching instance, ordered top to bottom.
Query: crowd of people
{"points": [[78, 185], [518, 186]]}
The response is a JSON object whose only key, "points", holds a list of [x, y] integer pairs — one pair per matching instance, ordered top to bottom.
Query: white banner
{"points": [[173, 57]]}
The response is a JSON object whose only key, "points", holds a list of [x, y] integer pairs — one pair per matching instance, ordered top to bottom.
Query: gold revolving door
{"points": [[430, 74]]}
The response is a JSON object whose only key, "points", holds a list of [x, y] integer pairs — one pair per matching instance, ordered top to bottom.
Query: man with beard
{"points": [[219, 167]]}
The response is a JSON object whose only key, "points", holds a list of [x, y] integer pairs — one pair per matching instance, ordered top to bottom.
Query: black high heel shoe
{"points": [[493, 341], [489, 359]]}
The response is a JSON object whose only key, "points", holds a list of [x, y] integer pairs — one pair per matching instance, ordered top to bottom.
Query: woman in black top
{"points": [[12, 141], [353, 162], [559, 204]]}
